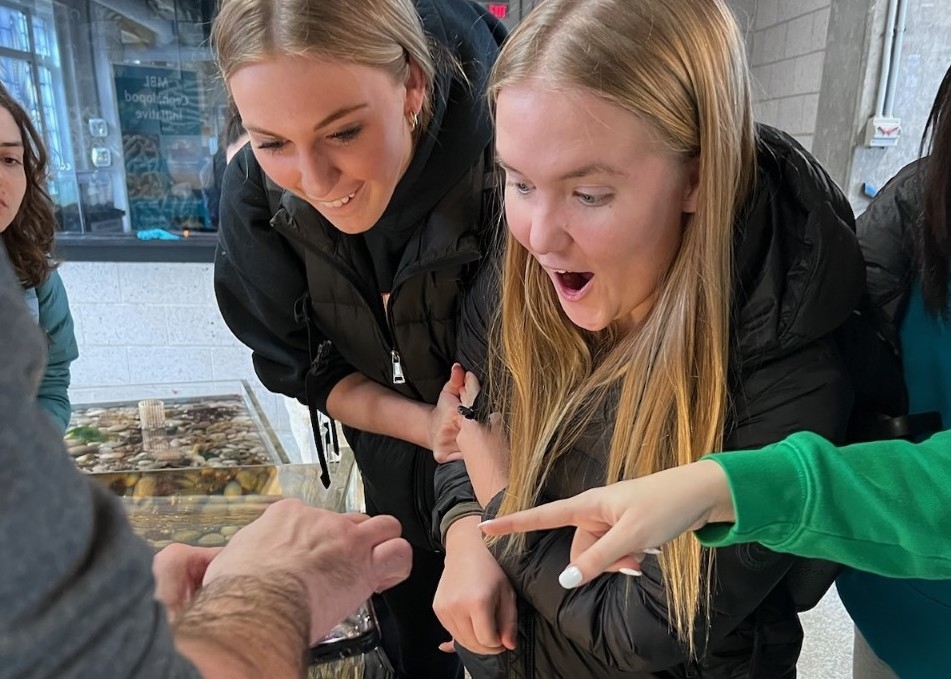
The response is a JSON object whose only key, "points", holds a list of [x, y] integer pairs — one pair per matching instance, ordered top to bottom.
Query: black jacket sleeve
{"points": [[886, 233], [259, 279], [455, 496], [624, 620]]}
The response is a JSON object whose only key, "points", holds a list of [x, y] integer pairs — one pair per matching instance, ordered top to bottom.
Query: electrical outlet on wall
{"points": [[882, 131]]}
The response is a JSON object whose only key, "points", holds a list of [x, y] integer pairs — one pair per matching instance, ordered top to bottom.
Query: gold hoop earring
{"points": [[413, 121]]}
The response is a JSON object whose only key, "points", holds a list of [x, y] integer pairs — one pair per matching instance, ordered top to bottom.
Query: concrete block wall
{"points": [[786, 43], [846, 43], [926, 56], [145, 323]]}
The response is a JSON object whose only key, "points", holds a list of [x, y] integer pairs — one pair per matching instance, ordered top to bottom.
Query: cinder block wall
{"points": [[786, 44]]}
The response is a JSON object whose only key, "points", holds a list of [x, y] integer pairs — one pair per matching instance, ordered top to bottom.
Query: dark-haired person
{"points": [[231, 139], [27, 225], [904, 235]]}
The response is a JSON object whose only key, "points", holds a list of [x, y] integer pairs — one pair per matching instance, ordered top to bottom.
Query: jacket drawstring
{"points": [[318, 355]]}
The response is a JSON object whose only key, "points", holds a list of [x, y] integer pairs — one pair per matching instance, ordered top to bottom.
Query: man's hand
{"points": [[340, 559], [178, 571], [280, 585], [475, 601]]}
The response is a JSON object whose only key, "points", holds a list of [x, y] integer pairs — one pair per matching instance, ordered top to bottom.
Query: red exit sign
{"points": [[498, 10]]}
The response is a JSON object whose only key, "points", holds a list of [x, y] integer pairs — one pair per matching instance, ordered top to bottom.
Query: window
{"points": [[30, 69], [130, 117]]}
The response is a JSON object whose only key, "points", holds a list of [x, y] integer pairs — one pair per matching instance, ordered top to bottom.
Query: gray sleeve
{"points": [[75, 584]]}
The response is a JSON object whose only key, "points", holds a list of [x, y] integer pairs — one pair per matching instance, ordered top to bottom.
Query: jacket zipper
{"points": [[406, 274], [386, 330], [323, 350], [395, 361], [396, 365], [398, 377]]}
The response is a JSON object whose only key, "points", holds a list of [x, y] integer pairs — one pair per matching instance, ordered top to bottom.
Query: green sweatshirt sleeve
{"points": [[57, 322], [880, 507]]}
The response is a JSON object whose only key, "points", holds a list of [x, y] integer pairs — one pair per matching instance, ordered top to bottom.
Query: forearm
{"points": [[53, 395], [363, 404], [455, 497], [875, 506], [464, 532], [247, 627]]}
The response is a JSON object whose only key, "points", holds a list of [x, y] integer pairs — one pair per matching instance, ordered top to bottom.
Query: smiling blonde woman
{"points": [[351, 226]]}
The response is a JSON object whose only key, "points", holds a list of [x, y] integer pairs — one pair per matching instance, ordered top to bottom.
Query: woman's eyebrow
{"points": [[336, 115], [579, 173]]}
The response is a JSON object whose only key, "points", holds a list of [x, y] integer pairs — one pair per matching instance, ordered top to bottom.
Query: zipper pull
{"points": [[320, 359], [397, 368]]}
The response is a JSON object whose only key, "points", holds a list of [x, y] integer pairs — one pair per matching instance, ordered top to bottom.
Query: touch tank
{"points": [[195, 463]]}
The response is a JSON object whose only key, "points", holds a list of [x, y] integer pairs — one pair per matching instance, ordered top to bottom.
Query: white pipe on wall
{"points": [[900, 25], [883, 77]]}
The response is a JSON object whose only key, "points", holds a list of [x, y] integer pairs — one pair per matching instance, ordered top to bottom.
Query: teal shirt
{"points": [[50, 307], [908, 622]]}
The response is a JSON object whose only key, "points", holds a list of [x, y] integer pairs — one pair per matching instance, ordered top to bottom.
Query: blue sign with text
{"points": [[162, 146]]}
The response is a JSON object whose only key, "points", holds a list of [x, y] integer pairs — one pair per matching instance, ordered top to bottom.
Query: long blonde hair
{"points": [[384, 33], [680, 66]]}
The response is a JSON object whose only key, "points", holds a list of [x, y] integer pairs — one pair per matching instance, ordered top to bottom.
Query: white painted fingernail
{"points": [[652, 550], [630, 571], [570, 577]]}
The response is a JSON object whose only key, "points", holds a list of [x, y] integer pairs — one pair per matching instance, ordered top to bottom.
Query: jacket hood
{"points": [[466, 41], [798, 269]]}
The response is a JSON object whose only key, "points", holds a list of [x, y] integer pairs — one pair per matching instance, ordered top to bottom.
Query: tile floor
{"points": [[827, 649]]}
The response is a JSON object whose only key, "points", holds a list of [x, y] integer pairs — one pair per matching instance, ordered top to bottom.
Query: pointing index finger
{"points": [[544, 517]]}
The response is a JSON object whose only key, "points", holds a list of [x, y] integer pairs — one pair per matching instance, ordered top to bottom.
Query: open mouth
{"points": [[573, 281], [571, 285]]}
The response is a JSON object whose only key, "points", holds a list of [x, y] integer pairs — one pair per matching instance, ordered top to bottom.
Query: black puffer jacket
{"points": [[889, 234], [422, 252], [798, 277]]}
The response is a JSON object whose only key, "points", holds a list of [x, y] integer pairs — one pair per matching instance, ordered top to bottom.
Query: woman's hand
{"points": [[444, 421], [618, 524], [475, 601]]}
